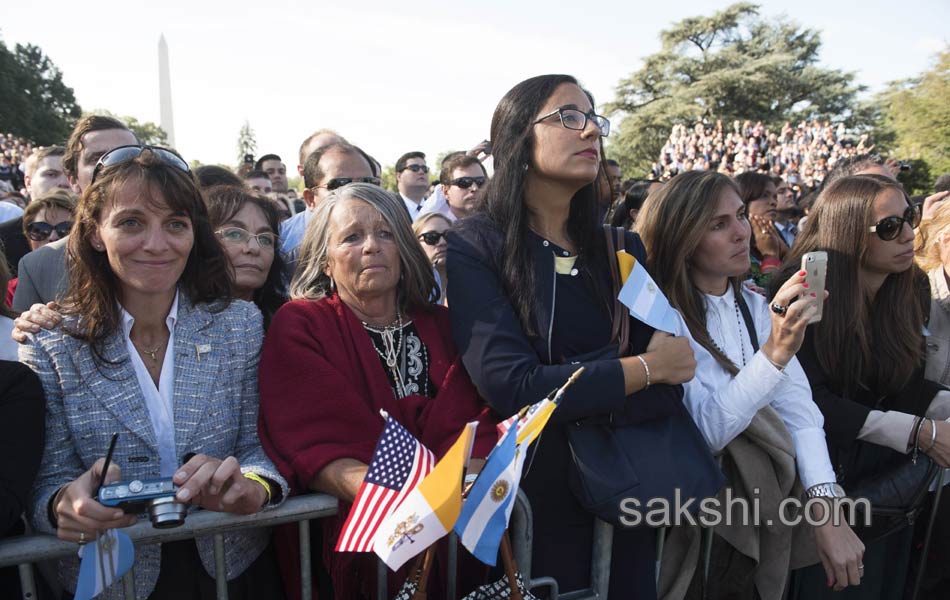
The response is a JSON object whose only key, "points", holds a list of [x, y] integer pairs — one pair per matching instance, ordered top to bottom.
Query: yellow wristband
{"points": [[262, 481]]}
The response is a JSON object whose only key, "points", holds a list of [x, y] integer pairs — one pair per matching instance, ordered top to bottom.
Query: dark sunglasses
{"points": [[126, 153], [416, 168], [338, 182], [466, 182], [889, 228], [39, 231], [431, 238]]}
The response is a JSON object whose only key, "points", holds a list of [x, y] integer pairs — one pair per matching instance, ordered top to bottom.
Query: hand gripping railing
{"points": [[22, 551]]}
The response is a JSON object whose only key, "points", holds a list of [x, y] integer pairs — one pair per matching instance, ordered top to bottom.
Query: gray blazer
{"points": [[42, 276], [215, 413]]}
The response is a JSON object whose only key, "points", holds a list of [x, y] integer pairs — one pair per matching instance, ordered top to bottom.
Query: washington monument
{"points": [[165, 92]]}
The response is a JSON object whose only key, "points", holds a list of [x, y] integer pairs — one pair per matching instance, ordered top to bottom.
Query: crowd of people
{"points": [[244, 346]]}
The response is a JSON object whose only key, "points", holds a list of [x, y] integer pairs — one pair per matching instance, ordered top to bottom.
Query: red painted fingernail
{"points": [[801, 272], [804, 285], [814, 295]]}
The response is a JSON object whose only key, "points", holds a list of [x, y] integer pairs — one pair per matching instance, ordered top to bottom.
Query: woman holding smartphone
{"points": [[865, 358], [748, 383]]}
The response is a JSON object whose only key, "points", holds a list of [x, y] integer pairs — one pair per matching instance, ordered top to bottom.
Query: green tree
{"points": [[731, 65], [34, 101], [916, 114], [146, 132], [247, 143], [388, 177]]}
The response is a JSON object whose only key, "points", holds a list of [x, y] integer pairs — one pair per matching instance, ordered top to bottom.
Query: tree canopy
{"points": [[734, 64], [34, 101], [915, 118], [147, 132]]}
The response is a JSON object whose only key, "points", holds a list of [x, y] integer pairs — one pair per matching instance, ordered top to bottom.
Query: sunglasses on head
{"points": [[123, 154], [416, 168], [338, 182], [466, 182], [889, 228], [39, 231], [431, 238]]}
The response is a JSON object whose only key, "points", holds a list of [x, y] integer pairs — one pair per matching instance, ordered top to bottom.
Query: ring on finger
{"points": [[778, 309], [82, 537]]}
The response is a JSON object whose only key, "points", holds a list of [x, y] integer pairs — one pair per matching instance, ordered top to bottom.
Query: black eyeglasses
{"points": [[571, 118], [122, 154], [416, 168], [338, 182], [466, 182], [889, 228], [39, 231], [236, 235], [431, 238]]}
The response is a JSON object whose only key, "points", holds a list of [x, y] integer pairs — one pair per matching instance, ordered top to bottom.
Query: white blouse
{"points": [[723, 406]]}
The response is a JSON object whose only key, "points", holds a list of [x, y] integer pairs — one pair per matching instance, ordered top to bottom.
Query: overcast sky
{"points": [[398, 76]]}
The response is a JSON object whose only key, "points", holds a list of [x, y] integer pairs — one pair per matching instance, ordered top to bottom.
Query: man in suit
{"points": [[412, 180], [43, 273]]}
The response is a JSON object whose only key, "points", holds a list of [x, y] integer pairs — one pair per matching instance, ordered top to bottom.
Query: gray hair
{"points": [[417, 285]]}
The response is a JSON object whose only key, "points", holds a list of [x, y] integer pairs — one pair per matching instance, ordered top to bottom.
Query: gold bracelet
{"points": [[262, 481]]}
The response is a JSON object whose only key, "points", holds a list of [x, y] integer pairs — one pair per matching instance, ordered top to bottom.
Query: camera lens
{"points": [[165, 513]]}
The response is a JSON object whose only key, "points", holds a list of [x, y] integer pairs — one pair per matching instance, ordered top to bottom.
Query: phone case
{"points": [[815, 265]]}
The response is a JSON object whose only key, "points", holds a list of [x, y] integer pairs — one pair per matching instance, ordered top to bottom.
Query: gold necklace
{"points": [[152, 353]]}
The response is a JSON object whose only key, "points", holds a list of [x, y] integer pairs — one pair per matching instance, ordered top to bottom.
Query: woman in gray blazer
{"points": [[151, 348]]}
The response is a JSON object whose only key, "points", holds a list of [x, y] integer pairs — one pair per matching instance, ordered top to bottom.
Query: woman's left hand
{"points": [[219, 485], [841, 552]]}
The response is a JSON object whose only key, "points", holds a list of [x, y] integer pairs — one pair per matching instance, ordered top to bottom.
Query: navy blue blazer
{"points": [[512, 369]]}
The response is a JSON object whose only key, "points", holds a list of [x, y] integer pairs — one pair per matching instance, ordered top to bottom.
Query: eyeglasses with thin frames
{"points": [[572, 118], [889, 228], [236, 235]]}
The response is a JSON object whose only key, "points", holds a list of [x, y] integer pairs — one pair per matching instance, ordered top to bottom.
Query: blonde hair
{"points": [[418, 225], [927, 242], [417, 285]]}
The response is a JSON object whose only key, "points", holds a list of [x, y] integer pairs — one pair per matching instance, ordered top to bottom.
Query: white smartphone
{"points": [[815, 265]]}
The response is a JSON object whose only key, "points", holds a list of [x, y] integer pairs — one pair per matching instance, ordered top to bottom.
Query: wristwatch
{"points": [[825, 490]]}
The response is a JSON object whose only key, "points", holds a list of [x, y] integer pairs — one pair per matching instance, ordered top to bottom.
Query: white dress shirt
{"points": [[437, 203], [412, 206], [159, 401], [723, 406]]}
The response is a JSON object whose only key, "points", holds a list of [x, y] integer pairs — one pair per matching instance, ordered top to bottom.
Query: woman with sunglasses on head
{"points": [[46, 219], [247, 224], [430, 230], [531, 301], [152, 348], [865, 360], [750, 396]]}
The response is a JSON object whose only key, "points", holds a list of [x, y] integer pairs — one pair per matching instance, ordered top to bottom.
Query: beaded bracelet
{"points": [[646, 369]]}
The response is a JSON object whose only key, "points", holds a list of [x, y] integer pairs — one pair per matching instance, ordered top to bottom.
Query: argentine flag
{"points": [[643, 296], [487, 509], [103, 562]]}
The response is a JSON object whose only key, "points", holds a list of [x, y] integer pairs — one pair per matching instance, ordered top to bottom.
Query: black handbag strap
{"points": [[747, 317], [620, 326]]}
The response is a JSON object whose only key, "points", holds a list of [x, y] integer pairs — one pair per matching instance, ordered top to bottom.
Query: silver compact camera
{"points": [[154, 496]]}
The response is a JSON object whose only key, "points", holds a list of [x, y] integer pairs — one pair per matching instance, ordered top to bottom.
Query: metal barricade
{"points": [[25, 550]]}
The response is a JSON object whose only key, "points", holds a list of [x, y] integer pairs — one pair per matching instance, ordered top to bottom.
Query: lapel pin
{"points": [[202, 349]]}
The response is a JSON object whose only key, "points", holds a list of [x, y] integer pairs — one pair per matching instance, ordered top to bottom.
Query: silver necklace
{"points": [[391, 350]]}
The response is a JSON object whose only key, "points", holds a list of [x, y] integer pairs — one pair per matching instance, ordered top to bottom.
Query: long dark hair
{"points": [[512, 138], [225, 201], [672, 224], [94, 289], [859, 338]]}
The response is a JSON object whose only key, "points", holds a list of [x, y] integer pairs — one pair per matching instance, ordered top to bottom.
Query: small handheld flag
{"points": [[645, 299], [399, 463], [429, 511], [103, 562]]}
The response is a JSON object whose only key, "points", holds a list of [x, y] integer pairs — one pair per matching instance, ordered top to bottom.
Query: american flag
{"points": [[399, 463]]}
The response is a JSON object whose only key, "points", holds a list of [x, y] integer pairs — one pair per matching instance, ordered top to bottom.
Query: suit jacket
{"points": [[14, 242], [43, 276], [22, 409], [215, 412]]}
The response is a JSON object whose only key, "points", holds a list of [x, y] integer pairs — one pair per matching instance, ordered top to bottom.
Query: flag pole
{"points": [[510, 567]]}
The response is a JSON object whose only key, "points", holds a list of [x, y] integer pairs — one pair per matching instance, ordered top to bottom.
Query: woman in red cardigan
{"points": [[359, 335]]}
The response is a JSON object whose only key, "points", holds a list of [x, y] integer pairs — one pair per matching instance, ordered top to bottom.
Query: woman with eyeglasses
{"points": [[46, 219], [247, 225], [430, 230], [531, 301], [359, 335], [151, 347], [865, 361]]}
